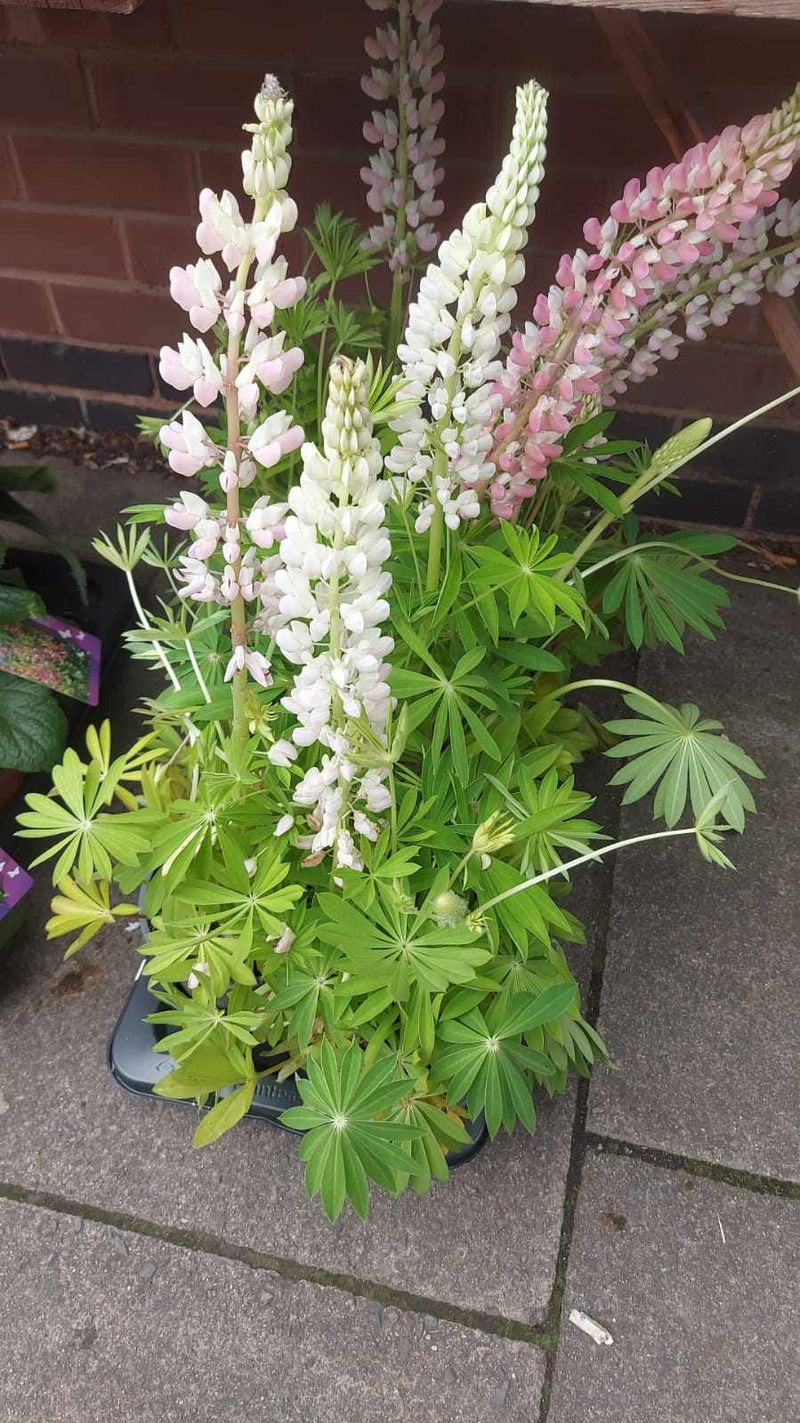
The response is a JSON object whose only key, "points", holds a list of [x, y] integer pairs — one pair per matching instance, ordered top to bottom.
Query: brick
{"points": [[147, 28], [335, 31], [524, 41], [40, 91], [174, 99], [330, 110], [471, 125], [588, 126], [222, 168], [98, 172], [336, 181], [9, 187], [568, 197], [60, 242], [156, 246], [24, 307], [118, 318], [54, 363], [722, 381], [39, 408], [113, 416], [652, 430], [756, 452], [714, 502], [779, 511]]}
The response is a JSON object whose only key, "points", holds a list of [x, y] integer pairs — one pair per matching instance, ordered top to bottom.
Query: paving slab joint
{"points": [[580, 1138], [693, 1166], [205, 1243]]}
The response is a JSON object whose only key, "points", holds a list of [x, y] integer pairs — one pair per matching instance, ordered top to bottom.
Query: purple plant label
{"points": [[55, 653], [14, 883]]}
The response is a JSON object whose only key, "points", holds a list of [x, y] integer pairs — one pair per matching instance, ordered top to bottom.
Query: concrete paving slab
{"points": [[85, 500], [701, 996], [487, 1240], [697, 1283], [104, 1326]]}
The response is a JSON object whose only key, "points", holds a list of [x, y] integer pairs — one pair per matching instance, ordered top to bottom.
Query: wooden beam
{"points": [[763, 9], [660, 93]]}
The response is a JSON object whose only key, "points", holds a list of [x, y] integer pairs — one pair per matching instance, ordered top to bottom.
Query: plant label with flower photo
{"points": [[55, 653], [14, 884]]}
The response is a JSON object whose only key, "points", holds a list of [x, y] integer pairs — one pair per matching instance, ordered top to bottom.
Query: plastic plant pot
{"points": [[137, 1067]]}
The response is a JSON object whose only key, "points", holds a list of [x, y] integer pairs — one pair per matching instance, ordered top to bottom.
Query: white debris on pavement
{"points": [[590, 1327]]}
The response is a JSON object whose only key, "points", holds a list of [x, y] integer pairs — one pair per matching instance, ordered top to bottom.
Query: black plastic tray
{"points": [[137, 1067]]}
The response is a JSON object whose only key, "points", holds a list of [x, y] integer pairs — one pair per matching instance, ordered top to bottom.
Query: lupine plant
{"points": [[354, 816]]}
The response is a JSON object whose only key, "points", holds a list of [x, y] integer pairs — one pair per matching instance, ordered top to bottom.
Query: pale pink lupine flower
{"points": [[196, 289], [584, 329], [191, 366], [275, 437], [190, 447]]}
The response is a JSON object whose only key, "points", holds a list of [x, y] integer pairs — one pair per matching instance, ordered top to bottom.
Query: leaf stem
{"points": [[645, 483], [165, 663], [583, 860]]}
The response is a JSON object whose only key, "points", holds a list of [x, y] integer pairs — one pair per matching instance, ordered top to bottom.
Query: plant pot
{"points": [[137, 1067]]}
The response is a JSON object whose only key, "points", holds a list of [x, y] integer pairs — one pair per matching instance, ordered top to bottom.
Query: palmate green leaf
{"points": [[524, 575], [661, 595], [684, 757], [399, 953], [485, 1060], [442, 1130], [348, 1138]]}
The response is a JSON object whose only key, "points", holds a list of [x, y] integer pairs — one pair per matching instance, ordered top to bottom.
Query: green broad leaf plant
{"points": [[410, 965]]}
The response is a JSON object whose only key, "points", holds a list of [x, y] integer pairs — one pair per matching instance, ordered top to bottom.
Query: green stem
{"points": [[396, 306], [321, 372], [646, 483], [435, 540], [143, 619], [198, 674], [613, 685], [583, 860]]}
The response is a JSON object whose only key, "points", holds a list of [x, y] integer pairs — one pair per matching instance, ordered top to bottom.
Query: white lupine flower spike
{"points": [[455, 326], [324, 605]]}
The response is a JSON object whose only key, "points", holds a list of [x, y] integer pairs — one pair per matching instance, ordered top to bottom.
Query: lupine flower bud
{"points": [[679, 448]]}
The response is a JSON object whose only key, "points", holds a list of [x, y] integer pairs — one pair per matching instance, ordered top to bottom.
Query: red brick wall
{"points": [[111, 122]]}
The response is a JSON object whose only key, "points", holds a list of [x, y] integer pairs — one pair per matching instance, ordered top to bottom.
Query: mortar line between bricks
{"points": [[578, 1146], [693, 1166], [206, 1243]]}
